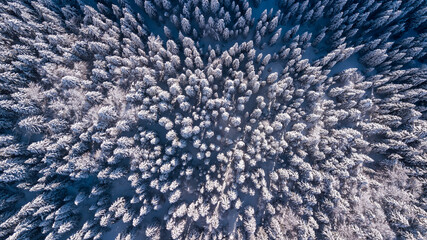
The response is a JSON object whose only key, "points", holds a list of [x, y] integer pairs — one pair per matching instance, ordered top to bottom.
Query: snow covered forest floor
{"points": [[213, 119]]}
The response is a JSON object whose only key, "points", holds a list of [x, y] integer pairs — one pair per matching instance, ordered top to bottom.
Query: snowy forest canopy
{"points": [[213, 119]]}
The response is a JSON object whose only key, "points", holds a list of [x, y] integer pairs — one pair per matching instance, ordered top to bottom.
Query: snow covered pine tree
{"points": [[213, 119]]}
